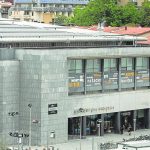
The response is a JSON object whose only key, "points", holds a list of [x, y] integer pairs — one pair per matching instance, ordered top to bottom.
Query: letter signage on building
{"points": [[105, 109]]}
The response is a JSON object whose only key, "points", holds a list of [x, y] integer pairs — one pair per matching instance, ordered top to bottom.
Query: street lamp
{"points": [[30, 107], [134, 125]]}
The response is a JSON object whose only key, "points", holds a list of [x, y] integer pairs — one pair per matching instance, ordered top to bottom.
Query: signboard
{"points": [[142, 76], [127, 77], [111, 78], [93, 79], [76, 82], [52, 109], [94, 110], [52, 112]]}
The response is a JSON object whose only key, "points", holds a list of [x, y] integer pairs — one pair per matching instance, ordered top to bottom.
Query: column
{"points": [[84, 70], [134, 73], [119, 74], [102, 76], [134, 114], [147, 118], [117, 122], [84, 125], [102, 125]]}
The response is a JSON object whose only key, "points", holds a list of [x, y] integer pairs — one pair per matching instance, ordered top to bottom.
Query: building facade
{"points": [[136, 2], [4, 7], [43, 11], [76, 84]]}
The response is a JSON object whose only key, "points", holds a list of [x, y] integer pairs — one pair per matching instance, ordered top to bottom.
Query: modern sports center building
{"points": [[59, 83]]}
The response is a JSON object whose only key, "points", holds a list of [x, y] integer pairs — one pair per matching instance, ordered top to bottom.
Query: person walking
{"points": [[129, 129]]}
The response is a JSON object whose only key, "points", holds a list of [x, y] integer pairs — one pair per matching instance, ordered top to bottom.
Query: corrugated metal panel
{"points": [[55, 1]]}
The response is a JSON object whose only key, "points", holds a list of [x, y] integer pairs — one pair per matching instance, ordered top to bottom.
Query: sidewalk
{"points": [[91, 143]]}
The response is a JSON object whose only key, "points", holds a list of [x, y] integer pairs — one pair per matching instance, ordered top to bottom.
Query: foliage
{"points": [[98, 11], [145, 14], [61, 20]]}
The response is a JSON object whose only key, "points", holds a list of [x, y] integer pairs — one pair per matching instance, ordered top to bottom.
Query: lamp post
{"points": [[30, 107]]}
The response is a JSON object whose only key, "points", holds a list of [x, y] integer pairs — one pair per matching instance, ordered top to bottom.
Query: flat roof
{"points": [[22, 31]]}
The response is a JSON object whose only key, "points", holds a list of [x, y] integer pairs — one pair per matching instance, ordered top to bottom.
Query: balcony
{"points": [[52, 9]]}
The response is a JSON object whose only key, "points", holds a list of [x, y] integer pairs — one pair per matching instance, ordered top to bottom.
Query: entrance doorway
{"points": [[126, 119], [109, 121], [74, 126]]}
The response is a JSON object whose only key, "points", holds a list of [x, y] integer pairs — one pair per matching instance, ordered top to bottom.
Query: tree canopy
{"points": [[98, 11]]}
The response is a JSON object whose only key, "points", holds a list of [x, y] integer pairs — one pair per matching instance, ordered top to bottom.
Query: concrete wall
{"points": [[44, 80], [9, 99]]}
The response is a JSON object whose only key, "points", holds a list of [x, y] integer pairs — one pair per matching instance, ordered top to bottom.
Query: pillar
{"points": [[135, 73], [119, 74], [102, 76], [147, 118], [134, 121], [117, 122], [84, 125], [102, 125]]}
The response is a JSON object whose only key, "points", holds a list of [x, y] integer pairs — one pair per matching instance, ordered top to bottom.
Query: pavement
{"points": [[92, 142]]}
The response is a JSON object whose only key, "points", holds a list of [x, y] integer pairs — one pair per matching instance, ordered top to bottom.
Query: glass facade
{"points": [[102, 75]]}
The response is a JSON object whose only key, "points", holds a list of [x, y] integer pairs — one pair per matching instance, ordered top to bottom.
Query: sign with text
{"points": [[142, 76], [127, 77], [111, 78], [93, 79], [52, 109]]}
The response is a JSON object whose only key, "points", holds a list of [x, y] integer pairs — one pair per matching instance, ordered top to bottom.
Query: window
{"points": [[26, 12], [142, 63], [110, 64], [127, 64], [75, 66], [93, 66]]}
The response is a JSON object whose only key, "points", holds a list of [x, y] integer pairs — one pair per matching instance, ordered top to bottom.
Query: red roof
{"points": [[127, 30]]}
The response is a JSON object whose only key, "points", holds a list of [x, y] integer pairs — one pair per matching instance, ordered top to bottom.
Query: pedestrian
{"points": [[129, 129]]}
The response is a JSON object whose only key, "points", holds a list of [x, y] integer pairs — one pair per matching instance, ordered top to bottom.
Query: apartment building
{"points": [[125, 2], [43, 10]]}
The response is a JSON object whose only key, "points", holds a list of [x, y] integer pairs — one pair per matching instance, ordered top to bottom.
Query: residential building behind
{"points": [[43, 10]]}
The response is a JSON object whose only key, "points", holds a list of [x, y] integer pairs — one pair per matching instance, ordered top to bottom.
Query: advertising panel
{"points": [[142, 76], [127, 77], [110, 78], [93, 79], [76, 82]]}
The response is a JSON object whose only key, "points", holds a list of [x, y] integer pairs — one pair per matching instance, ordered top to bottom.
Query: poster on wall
{"points": [[142, 76], [127, 77], [110, 78], [93, 79], [76, 80]]}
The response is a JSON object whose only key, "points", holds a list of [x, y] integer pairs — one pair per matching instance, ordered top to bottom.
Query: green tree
{"points": [[106, 10], [131, 14], [145, 14], [61, 20]]}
